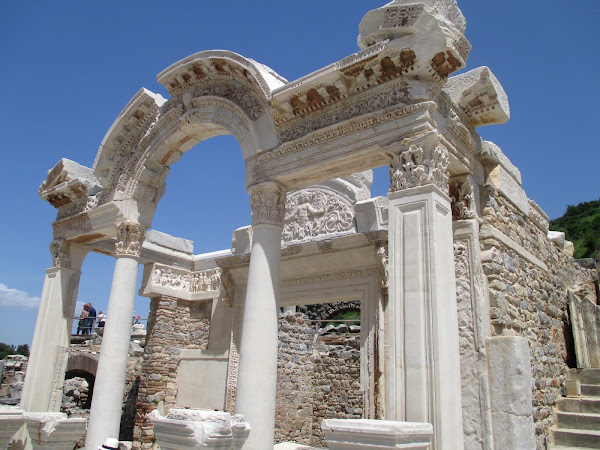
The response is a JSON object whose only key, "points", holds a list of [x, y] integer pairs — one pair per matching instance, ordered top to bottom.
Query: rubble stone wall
{"points": [[528, 296], [173, 325], [314, 382], [336, 382], [294, 403]]}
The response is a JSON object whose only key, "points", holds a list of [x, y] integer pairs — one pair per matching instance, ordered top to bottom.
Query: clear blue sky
{"points": [[69, 67]]}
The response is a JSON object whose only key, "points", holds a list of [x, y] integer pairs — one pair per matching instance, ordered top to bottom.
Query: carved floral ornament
{"points": [[418, 162], [267, 201], [314, 213], [130, 236]]}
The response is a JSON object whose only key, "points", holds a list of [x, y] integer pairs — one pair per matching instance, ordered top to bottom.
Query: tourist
{"points": [[91, 318], [101, 319], [83, 320], [110, 444]]}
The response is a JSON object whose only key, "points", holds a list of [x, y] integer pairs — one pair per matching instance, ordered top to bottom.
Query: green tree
{"points": [[581, 225], [23, 349], [6, 350]]}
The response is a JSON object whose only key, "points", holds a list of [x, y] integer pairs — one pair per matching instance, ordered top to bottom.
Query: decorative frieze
{"points": [[358, 106], [418, 162], [267, 201], [311, 213], [130, 236], [60, 253], [186, 281]]}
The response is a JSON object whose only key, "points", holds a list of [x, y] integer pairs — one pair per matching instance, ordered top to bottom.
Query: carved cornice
{"points": [[418, 162], [267, 201], [130, 237], [59, 249]]}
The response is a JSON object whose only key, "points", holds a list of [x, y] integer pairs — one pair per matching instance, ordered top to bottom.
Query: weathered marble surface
{"points": [[355, 434]]}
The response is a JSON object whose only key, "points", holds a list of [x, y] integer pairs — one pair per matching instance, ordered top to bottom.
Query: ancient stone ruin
{"points": [[474, 320]]}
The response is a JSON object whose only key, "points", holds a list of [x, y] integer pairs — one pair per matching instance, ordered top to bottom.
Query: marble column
{"points": [[423, 371], [257, 372], [44, 379], [105, 413]]}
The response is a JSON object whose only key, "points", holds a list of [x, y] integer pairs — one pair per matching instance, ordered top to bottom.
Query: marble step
{"points": [[586, 376], [590, 390], [580, 405], [582, 421], [577, 438]]}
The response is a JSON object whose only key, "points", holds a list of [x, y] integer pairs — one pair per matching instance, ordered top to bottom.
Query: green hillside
{"points": [[581, 225]]}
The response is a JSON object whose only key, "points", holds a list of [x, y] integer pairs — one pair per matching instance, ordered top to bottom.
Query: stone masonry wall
{"points": [[527, 300], [173, 325], [314, 382], [336, 382], [294, 403]]}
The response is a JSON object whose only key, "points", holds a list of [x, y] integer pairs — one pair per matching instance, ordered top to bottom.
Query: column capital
{"points": [[418, 162], [463, 199], [267, 201], [130, 236], [59, 249]]}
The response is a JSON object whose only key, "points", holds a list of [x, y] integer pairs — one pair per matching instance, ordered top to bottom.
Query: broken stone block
{"points": [[481, 96], [197, 428]]}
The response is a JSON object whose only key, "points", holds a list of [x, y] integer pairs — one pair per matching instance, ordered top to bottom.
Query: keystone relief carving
{"points": [[419, 164], [314, 213]]}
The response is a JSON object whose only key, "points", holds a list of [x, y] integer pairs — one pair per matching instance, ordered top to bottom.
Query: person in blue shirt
{"points": [[91, 319]]}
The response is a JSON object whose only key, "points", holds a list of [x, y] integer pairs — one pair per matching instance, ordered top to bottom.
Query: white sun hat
{"points": [[110, 444]]}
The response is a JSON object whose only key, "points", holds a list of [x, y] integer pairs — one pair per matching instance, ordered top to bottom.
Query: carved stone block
{"points": [[481, 96]]}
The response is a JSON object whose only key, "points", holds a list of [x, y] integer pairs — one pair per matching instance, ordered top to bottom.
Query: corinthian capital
{"points": [[418, 162], [267, 201], [130, 236], [60, 253]]}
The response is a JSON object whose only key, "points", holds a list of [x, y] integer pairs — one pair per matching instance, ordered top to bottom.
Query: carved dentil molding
{"points": [[418, 162], [267, 201], [311, 213], [130, 237], [60, 253]]}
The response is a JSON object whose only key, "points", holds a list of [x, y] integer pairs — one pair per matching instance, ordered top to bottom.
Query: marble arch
{"points": [[394, 102]]}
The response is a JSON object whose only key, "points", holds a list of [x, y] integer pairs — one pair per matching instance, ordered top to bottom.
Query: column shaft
{"points": [[51, 340], [424, 370], [257, 373], [105, 413]]}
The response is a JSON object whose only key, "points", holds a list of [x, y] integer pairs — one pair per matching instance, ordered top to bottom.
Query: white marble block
{"points": [[510, 387], [11, 420], [183, 429], [53, 430], [349, 434]]}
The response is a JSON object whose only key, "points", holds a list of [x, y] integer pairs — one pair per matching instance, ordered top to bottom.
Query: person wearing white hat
{"points": [[110, 444]]}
